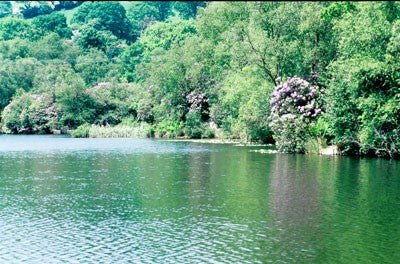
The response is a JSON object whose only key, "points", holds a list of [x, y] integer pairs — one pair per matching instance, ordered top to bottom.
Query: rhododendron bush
{"points": [[294, 106]]}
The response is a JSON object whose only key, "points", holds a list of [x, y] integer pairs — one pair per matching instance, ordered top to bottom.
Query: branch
{"points": [[263, 61]]}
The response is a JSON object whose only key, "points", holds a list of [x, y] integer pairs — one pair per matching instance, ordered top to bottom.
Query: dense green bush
{"points": [[74, 101], [114, 102], [29, 113], [195, 127], [169, 128], [82, 131]]}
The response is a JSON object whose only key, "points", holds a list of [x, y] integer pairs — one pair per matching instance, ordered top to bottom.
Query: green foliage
{"points": [[5, 8], [32, 8], [187, 9], [337, 9], [391, 10], [142, 14], [111, 17], [54, 22], [11, 27], [365, 33], [165, 34], [91, 36], [394, 42], [48, 48], [15, 49], [129, 59], [93, 66], [16, 75], [166, 85], [363, 99], [114, 103], [76, 105], [243, 109], [342, 110], [29, 113], [252, 122], [380, 125], [169, 128], [195, 128], [321, 128], [141, 130], [82, 131]]}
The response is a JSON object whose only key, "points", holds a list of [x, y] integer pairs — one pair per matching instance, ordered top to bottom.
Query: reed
{"points": [[119, 131]]}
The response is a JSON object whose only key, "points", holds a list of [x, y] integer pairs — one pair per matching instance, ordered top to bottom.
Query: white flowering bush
{"points": [[294, 105]]}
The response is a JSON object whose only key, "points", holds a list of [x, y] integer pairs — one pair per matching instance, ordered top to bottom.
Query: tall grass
{"points": [[119, 131]]}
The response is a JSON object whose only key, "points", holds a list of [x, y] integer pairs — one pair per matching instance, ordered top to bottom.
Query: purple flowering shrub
{"points": [[197, 100], [294, 105], [30, 113], [195, 127]]}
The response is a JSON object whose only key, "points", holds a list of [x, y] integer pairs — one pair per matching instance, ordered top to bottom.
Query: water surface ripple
{"points": [[65, 200]]}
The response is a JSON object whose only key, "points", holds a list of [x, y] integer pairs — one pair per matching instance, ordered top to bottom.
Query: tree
{"points": [[5, 8], [32, 8], [187, 9], [142, 14], [111, 17], [54, 22], [11, 28], [365, 32], [166, 34], [91, 36], [48, 48], [15, 49], [129, 59], [93, 67], [16, 75], [49, 78], [362, 84], [113, 102], [75, 104], [363, 106], [243, 107]]}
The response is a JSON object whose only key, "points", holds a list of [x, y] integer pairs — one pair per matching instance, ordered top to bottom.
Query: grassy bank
{"points": [[120, 131]]}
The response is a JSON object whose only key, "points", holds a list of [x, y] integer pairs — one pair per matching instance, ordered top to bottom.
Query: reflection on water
{"points": [[294, 190], [126, 200], [296, 204]]}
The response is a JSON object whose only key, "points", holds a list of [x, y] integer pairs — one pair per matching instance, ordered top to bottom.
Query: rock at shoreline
{"points": [[330, 150]]}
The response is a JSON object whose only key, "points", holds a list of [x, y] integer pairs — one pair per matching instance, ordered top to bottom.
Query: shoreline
{"points": [[239, 142], [328, 151]]}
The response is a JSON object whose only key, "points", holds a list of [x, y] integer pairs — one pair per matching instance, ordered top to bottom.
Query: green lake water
{"points": [[66, 200]]}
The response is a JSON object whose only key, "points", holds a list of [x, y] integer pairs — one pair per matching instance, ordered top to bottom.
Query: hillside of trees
{"points": [[283, 72]]}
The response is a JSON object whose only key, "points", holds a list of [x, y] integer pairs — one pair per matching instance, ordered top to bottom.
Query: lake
{"points": [[68, 200]]}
